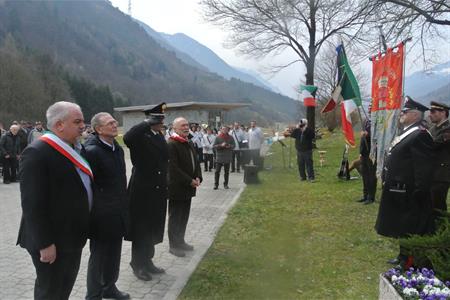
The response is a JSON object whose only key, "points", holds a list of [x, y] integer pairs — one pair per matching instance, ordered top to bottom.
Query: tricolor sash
{"points": [[59, 145]]}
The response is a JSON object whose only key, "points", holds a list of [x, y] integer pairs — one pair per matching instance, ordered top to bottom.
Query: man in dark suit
{"points": [[441, 136], [368, 167], [185, 177], [147, 191], [56, 197], [405, 206], [109, 213]]}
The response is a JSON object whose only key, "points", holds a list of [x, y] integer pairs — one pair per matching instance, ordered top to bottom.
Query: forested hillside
{"points": [[103, 49]]}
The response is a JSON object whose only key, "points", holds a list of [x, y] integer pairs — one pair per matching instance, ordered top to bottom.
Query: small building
{"points": [[211, 113]]}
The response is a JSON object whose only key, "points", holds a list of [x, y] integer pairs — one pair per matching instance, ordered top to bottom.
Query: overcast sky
{"points": [[174, 16]]}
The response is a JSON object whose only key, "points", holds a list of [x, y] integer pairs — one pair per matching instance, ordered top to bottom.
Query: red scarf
{"points": [[178, 138]]}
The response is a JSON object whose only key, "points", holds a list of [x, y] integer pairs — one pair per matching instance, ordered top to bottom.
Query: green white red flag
{"points": [[347, 92], [306, 94]]}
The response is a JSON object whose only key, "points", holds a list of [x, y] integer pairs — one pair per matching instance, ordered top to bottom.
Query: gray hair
{"points": [[59, 111], [96, 120], [178, 120]]}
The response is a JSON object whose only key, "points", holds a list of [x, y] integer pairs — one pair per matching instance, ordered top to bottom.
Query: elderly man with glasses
{"points": [[405, 206]]}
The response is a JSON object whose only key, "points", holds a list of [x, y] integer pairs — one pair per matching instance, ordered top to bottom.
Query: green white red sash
{"points": [[63, 148]]}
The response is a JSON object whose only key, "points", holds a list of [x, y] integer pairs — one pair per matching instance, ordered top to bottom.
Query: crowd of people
{"points": [[73, 191]]}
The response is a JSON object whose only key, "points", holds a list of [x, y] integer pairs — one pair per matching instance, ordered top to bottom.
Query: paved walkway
{"points": [[208, 213]]}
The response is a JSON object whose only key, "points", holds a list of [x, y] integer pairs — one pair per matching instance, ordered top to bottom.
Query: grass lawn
{"points": [[287, 239]]}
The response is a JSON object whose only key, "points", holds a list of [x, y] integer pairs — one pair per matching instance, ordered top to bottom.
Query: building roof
{"points": [[184, 106]]}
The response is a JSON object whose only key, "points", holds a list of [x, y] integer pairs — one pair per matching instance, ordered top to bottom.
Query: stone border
{"points": [[178, 286], [387, 291]]}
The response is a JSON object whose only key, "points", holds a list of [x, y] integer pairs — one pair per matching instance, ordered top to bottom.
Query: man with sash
{"points": [[441, 136], [185, 177], [147, 191], [56, 197], [405, 206], [109, 213]]}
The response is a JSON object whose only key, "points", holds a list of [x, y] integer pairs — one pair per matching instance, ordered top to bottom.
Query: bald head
{"points": [[181, 126]]}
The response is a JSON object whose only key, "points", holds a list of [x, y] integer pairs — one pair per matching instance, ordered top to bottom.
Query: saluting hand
{"points": [[48, 255]]}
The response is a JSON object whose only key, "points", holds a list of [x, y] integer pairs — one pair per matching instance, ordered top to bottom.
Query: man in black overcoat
{"points": [[441, 136], [368, 167], [185, 177], [147, 191], [56, 197], [405, 206], [109, 212]]}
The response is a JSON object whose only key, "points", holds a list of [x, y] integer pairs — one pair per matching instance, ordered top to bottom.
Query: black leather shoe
{"points": [[216, 187], [226, 187], [361, 200], [368, 201], [186, 247], [177, 252], [394, 261], [154, 269], [141, 273], [116, 294]]}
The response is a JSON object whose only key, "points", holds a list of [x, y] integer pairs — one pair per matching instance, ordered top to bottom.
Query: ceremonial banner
{"points": [[387, 95]]}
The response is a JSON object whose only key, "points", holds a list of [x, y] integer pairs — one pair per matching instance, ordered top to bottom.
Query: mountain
{"points": [[97, 43], [165, 44], [207, 58], [260, 79], [420, 84], [440, 95]]}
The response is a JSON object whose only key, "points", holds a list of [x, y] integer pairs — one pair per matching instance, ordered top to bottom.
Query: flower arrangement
{"points": [[418, 284]]}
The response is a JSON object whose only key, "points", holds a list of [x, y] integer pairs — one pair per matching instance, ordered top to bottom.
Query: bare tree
{"points": [[432, 11], [422, 20], [262, 27]]}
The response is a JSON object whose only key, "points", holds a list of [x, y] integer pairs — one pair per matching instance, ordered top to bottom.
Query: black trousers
{"points": [[199, 154], [208, 159], [236, 161], [305, 162], [226, 168], [10, 169], [368, 173], [439, 191], [179, 209], [142, 252], [103, 267], [55, 281]]}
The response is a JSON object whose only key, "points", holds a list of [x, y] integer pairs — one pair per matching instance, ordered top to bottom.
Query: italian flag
{"points": [[306, 92], [349, 93]]}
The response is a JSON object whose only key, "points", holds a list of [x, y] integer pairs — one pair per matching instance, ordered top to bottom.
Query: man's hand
{"points": [[7, 156], [195, 182], [48, 255]]}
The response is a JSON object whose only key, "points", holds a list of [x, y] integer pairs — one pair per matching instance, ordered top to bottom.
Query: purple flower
{"points": [[447, 283]]}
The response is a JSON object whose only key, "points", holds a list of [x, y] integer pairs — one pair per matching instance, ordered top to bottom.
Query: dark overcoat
{"points": [[442, 147], [183, 167], [147, 188], [54, 200], [405, 206], [110, 207]]}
